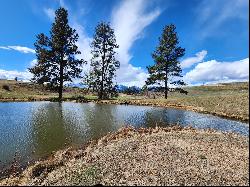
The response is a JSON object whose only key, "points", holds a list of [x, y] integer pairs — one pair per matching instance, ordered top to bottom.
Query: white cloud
{"points": [[62, 3], [50, 13], [212, 14], [129, 20], [83, 43], [2, 47], [19, 48], [199, 57], [33, 62], [214, 72], [21, 75], [25, 75], [130, 75]]}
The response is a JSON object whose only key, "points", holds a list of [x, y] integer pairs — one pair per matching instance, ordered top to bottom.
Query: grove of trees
{"points": [[57, 62]]}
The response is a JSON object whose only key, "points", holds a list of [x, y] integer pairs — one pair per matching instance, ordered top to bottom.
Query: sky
{"points": [[214, 33]]}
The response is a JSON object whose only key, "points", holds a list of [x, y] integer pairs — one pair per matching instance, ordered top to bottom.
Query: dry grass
{"points": [[21, 91], [229, 100], [160, 156]]}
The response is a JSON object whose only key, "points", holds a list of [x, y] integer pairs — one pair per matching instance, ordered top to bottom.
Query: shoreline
{"points": [[137, 102], [176, 106], [201, 145]]}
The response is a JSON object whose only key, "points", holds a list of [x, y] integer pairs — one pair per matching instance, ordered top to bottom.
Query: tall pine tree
{"points": [[56, 61], [103, 63], [167, 68]]}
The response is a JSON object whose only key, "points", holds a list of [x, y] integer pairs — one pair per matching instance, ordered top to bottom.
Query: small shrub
{"points": [[6, 87], [78, 97], [31, 98], [55, 99], [202, 157], [88, 176]]}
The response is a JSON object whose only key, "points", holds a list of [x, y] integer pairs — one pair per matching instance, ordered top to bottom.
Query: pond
{"points": [[31, 130]]}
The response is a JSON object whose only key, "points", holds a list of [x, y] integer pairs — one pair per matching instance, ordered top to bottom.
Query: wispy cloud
{"points": [[50, 12], [212, 14], [129, 20], [84, 41], [6, 48], [19, 49], [190, 61], [33, 62], [213, 71]]}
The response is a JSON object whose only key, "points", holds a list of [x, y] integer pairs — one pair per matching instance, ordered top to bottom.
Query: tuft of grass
{"points": [[91, 97], [202, 157], [90, 172], [87, 176]]}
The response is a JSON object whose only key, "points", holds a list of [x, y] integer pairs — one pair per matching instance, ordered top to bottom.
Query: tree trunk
{"points": [[103, 61], [61, 82], [166, 84], [166, 89], [101, 93]]}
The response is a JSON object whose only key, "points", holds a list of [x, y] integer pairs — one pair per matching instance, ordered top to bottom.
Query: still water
{"points": [[34, 129]]}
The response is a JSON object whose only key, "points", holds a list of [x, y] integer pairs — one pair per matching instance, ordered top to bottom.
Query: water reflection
{"points": [[161, 117], [100, 120], [49, 128], [36, 129]]}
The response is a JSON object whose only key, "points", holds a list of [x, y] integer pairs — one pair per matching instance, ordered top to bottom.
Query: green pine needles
{"points": [[56, 61], [103, 63], [167, 68]]}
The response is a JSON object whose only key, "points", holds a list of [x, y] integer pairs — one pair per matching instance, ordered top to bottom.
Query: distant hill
{"points": [[20, 89]]}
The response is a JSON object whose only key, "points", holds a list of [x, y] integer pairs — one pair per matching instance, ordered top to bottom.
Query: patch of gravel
{"points": [[153, 156]]}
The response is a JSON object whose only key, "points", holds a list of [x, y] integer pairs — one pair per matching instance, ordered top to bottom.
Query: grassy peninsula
{"points": [[153, 156]]}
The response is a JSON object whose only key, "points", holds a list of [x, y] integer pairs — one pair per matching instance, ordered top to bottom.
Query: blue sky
{"points": [[213, 32]]}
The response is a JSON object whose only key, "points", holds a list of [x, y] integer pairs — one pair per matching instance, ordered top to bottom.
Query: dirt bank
{"points": [[159, 156]]}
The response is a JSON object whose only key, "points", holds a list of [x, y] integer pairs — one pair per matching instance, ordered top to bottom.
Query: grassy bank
{"points": [[22, 91], [226, 100], [159, 156]]}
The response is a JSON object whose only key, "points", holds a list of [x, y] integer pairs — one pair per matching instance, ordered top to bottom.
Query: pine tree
{"points": [[56, 61], [103, 63], [167, 67]]}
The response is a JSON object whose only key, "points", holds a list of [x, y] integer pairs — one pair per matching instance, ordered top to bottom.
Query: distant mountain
{"points": [[78, 85], [121, 88]]}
